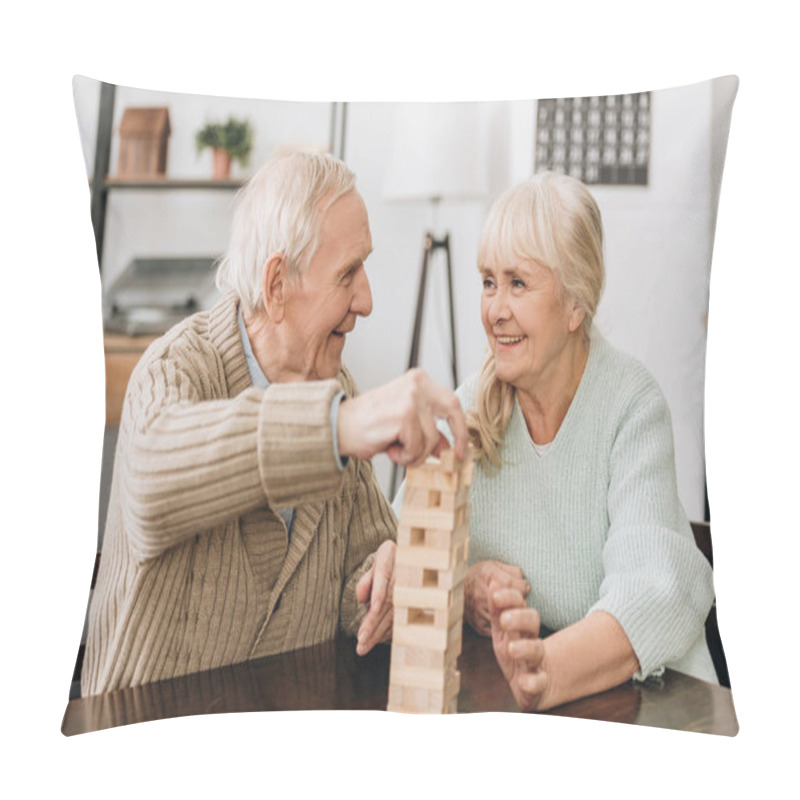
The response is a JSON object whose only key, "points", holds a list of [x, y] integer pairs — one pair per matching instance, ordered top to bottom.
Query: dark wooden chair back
{"points": [[702, 538], [75, 685]]}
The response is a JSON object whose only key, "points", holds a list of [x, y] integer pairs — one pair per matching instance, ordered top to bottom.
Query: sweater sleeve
{"points": [[191, 463], [372, 522], [656, 584]]}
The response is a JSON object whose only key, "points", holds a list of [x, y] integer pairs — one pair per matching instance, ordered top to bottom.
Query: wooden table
{"points": [[332, 676]]}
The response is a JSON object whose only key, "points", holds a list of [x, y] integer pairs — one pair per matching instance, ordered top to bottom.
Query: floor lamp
{"points": [[435, 157], [432, 245]]}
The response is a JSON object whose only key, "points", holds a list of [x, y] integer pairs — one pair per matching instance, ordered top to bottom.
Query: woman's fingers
{"points": [[504, 597], [520, 620], [528, 651], [533, 684]]}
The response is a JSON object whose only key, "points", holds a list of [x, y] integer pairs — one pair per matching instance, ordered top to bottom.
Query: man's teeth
{"points": [[509, 339]]}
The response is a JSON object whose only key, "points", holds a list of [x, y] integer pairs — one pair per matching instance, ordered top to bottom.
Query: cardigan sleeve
{"points": [[190, 463], [372, 522], [656, 582]]}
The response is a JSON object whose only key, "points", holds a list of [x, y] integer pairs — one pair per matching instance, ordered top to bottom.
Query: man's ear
{"points": [[275, 285]]}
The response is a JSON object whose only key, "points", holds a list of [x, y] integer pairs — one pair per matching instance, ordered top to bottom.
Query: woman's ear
{"points": [[274, 288], [576, 318]]}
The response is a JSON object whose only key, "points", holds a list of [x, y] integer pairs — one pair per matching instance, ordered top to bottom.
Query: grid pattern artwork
{"points": [[599, 140]]}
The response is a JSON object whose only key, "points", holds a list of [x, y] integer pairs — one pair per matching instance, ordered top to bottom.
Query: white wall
{"points": [[186, 223], [658, 237], [658, 251]]}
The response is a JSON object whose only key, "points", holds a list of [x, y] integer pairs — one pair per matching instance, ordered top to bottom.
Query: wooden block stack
{"points": [[430, 565]]}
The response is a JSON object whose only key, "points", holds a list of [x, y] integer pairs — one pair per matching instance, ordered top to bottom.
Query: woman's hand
{"points": [[477, 584], [376, 588], [518, 648]]}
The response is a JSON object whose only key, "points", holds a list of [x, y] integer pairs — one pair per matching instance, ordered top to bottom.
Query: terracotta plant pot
{"points": [[222, 164]]}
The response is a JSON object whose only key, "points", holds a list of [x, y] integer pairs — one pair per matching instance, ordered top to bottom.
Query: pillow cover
{"points": [[161, 209]]}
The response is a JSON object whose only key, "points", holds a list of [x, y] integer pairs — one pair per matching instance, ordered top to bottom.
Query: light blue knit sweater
{"points": [[595, 522]]}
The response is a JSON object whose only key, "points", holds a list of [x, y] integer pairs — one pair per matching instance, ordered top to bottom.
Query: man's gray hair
{"points": [[280, 210]]}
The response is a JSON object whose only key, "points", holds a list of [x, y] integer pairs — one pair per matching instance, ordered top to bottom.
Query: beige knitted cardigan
{"points": [[196, 571]]}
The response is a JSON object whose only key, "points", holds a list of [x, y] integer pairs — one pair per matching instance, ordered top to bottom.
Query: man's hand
{"points": [[399, 419], [480, 577], [376, 588], [519, 650]]}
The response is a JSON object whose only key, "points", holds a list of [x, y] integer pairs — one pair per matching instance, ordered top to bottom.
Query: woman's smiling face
{"points": [[528, 322]]}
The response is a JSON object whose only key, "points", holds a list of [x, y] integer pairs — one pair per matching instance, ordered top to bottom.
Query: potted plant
{"points": [[231, 141]]}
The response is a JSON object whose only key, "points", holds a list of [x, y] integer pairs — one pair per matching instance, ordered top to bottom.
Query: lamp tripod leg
{"points": [[453, 359]]}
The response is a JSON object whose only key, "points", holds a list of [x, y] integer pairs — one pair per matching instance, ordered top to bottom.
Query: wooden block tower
{"points": [[430, 565]]}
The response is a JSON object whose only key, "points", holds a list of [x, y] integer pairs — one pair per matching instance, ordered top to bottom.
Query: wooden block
{"points": [[447, 460], [468, 472], [428, 479], [421, 497], [426, 497], [452, 500], [424, 517], [441, 519], [431, 538], [446, 540], [462, 555], [424, 557], [432, 558], [415, 576], [449, 578], [420, 597], [406, 599], [421, 617], [424, 617], [424, 636], [428, 638], [406, 655], [418, 677], [395, 695], [419, 696], [421, 700], [415, 701]]}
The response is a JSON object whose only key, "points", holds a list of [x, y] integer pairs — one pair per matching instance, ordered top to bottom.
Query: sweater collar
{"points": [[223, 331]]}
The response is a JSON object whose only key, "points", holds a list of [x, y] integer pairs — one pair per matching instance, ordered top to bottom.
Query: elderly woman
{"points": [[576, 524]]}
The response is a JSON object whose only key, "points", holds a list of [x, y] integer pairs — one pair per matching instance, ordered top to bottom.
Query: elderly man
{"points": [[244, 516]]}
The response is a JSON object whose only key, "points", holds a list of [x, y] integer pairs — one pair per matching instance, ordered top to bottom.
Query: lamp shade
{"points": [[438, 152]]}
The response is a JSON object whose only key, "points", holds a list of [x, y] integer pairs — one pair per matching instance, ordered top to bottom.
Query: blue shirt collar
{"points": [[257, 375]]}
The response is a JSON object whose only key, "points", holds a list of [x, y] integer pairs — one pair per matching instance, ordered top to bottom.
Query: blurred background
{"points": [[653, 161]]}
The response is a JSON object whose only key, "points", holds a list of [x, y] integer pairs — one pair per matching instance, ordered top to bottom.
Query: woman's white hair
{"points": [[280, 210], [551, 219], [554, 220]]}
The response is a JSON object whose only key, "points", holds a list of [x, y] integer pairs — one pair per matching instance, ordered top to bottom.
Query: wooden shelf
{"points": [[172, 183]]}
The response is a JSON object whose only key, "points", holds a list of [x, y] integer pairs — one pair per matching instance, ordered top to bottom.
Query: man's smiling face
{"points": [[323, 303]]}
